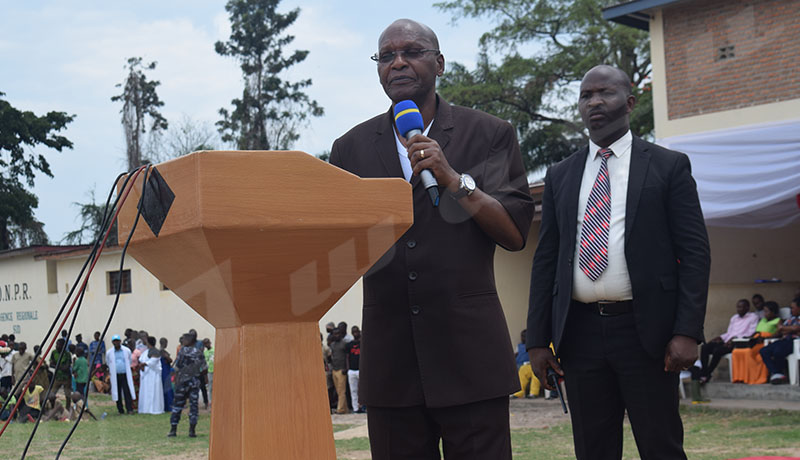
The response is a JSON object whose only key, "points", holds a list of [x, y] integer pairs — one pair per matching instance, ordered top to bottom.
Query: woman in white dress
{"points": [[151, 392]]}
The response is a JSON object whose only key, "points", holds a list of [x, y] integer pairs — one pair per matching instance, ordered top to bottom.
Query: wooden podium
{"points": [[262, 244]]}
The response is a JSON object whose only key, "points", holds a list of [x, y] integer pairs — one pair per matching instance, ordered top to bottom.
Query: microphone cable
{"points": [[113, 308]]}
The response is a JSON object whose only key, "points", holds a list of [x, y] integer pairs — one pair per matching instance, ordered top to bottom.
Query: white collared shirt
{"points": [[405, 163], [615, 282]]}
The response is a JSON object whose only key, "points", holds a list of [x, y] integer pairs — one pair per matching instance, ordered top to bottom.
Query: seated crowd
{"points": [[759, 342]]}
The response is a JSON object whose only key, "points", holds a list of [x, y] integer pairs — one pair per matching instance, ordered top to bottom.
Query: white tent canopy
{"points": [[746, 177]]}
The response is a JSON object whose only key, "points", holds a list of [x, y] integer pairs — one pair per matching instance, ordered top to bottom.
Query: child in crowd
{"points": [[11, 403]]}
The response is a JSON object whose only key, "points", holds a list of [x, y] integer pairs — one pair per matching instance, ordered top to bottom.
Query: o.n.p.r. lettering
{"points": [[15, 291]]}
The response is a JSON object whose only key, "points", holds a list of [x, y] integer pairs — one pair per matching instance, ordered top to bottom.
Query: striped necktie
{"points": [[593, 254]]}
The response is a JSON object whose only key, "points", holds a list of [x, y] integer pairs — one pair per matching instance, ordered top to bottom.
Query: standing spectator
{"points": [[758, 304], [742, 324], [345, 335], [65, 336], [130, 340], [141, 341], [79, 343], [97, 349], [353, 349], [71, 350], [136, 352], [774, 354], [209, 355], [20, 362], [326, 362], [189, 365], [339, 365], [6, 368], [63, 369], [119, 369], [80, 370], [166, 374], [204, 374], [526, 377], [41, 378], [151, 390]]}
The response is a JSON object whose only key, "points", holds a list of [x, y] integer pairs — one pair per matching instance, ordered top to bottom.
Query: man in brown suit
{"points": [[436, 357]]}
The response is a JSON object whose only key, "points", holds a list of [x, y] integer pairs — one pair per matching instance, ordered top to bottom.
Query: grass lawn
{"points": [[711, 434]]}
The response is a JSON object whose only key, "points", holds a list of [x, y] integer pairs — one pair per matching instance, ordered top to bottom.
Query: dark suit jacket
{"points": [[666, 248], [433, 330]]}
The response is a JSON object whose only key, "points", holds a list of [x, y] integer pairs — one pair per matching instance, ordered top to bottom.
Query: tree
{"points": [[547, 47], [140, 102], [271, 110], [19, 132], [184, 137], [91, 216]]}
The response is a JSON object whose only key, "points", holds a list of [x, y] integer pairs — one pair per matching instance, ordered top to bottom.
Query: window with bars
{"points": [[114, 279]]}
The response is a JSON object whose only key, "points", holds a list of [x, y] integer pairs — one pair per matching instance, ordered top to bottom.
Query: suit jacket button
{"points": [[411, 244], [412, 275], [415, 309]]}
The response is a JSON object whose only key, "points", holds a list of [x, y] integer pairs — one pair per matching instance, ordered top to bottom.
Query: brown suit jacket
{"points": [[434, 332]]}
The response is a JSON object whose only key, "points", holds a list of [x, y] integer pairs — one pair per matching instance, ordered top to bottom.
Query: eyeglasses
{"points": [[412, 55]]}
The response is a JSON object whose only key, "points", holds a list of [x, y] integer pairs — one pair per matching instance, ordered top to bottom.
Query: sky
{"points": [[68, 55]]}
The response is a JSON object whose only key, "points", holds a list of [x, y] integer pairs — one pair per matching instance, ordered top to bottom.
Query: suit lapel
{"points": [[386, 147], [640, 160], [573, 189]]}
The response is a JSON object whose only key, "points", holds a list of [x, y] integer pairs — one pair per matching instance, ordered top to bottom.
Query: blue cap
{"points": [[407, 117], [116, 337]]}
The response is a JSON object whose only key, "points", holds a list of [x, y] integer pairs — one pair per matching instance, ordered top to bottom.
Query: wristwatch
{"points": [[466, 185]]}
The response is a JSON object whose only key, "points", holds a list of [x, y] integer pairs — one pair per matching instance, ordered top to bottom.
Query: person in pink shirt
{"points": [[742, 324]]}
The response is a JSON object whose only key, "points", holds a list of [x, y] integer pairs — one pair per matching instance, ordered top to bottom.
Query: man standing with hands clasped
{"points": [[619, 280], [433, 292]]}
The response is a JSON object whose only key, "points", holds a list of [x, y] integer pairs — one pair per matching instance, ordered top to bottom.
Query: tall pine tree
{"points": [[140, 102], [271, 110]]}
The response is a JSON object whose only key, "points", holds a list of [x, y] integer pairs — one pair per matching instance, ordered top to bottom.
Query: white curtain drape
{"points": [[748, 176]]}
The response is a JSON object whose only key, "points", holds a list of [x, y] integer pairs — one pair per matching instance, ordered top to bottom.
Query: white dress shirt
{"points": [[405, 163], [615, 282]]}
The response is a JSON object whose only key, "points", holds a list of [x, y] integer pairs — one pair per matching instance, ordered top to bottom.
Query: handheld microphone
{"points": [[409, 122], [552, 379]]}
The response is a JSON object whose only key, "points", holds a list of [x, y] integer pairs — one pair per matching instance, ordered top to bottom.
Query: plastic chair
{"points": [[729, 357], [793, 360], [683, 375]]}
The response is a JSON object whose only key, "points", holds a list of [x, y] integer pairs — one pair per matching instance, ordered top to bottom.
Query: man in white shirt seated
{"points": [[742, 324]]}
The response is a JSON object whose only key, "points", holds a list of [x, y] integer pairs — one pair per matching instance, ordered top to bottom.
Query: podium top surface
{"points": [[255, 236]]}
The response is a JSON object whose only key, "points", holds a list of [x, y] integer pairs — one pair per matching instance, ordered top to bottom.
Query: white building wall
{"points": [[161, 313]]}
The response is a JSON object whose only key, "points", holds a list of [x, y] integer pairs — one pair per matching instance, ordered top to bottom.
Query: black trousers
{"points": [[716, 350], [607, 372], [124, 392], [475, 431]]}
